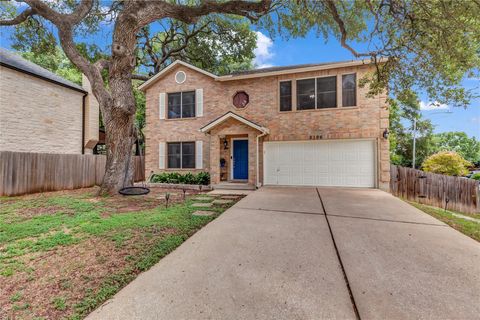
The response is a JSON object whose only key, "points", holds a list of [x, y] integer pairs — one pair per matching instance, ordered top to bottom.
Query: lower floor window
{"points": [[181, 155]]}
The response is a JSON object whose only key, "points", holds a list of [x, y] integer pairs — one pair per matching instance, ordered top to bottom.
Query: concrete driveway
{"points": [[277, 255]]}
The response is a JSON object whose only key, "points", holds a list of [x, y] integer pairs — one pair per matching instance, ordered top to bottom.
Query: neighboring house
{"points": [[42, 112], [309, 125]]}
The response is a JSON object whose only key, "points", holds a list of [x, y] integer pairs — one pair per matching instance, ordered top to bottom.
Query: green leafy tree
{"points": [[73, 23], [214, 43], [430, 45], [56, 62], [405, 116], [467, 147], [448, 163]]}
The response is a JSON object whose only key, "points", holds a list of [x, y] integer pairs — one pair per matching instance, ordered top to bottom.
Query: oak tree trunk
{"points": [[120, 138]]}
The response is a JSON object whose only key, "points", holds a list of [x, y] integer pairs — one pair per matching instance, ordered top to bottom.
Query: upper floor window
{"points": [[349, 87], [327, 92], [317, 93], [306, 94], [285, 95], [181, 105], [181, 155]]}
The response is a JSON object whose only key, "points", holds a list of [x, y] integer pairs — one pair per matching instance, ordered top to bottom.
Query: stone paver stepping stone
{"points": [[230, 197], [204, 198], [220, 201], [202, 205], [203, 213]]}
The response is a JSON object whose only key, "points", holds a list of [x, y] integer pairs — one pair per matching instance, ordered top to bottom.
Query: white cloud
{"points": [[263, 51], [427, 106], [475, 120]]}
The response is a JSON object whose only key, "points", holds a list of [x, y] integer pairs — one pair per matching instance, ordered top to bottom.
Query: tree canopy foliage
{"points": [[430, 45], [403, 112], [404, 116], [459, 142], [447, 162]]}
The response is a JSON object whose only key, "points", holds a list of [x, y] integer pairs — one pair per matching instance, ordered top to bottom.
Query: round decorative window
{"points": [[180, 77], [241, 99]]}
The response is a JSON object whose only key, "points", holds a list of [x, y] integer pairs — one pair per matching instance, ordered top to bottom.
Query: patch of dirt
{"points": [[74, 193], [156, 198], [28, 213], [68, 273]]}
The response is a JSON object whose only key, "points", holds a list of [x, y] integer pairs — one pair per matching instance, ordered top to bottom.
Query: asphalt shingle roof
{"points": [[13, 60], [284, 68]]}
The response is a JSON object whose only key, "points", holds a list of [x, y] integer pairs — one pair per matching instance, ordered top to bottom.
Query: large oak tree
{"points": [[116, 94]]}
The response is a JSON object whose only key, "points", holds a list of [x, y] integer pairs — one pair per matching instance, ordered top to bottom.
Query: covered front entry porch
{"points": [[234, 150]]}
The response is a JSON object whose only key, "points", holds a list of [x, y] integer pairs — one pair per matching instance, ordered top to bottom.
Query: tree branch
{"points": [[154, 10], [18, 19], [65, 24], [343, 31], [140, 77]]}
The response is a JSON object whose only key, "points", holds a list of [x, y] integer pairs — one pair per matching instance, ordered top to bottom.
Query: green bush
{"points": [[446, 162], [475, 176], [202, 178]]}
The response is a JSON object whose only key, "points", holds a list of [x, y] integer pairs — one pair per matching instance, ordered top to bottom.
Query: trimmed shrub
{"points": [[446, 162], [475, 176], [201, 178]]}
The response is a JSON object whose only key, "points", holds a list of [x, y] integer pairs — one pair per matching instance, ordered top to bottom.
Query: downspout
{"points": [[83, 121], [264, 133]]}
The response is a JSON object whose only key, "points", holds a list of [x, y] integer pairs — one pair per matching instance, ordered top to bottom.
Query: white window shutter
{"points": [[199, 102], [161, 105], [198, 154], [161, 155]]}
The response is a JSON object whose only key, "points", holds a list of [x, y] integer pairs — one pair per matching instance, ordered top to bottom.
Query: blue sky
{"points": [[282, 52]]}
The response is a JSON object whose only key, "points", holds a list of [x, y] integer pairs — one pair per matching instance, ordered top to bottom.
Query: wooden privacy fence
{"points": [[23, 172], [454, 193]]}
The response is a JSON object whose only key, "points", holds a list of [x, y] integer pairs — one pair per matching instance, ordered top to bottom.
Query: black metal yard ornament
{"points": [[167, 197]]}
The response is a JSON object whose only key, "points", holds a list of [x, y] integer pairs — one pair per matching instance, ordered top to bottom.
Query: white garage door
{"points": [[320, 163]]}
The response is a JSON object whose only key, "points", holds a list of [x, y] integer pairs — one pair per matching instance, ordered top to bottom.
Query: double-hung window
{"points": [[327, 92], [317, 93], [306, 94], [286, 95], [349, 95], [181, 105], [181, 155]]}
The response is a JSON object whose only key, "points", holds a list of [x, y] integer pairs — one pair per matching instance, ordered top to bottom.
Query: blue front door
{"points": [[240, 159]]}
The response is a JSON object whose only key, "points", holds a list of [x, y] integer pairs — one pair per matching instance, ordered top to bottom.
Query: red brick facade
{"points": [[367, 120]]}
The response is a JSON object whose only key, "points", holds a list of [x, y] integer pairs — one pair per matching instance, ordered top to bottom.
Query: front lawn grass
{"points": [[469, 228], [63, 254]]}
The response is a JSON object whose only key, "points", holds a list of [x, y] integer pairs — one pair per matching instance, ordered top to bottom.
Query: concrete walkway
{"points": [[272, 256]]}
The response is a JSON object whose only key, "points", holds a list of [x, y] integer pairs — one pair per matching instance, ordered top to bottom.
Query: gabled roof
{"points": [[13, 61], [275, 71], [263, 72], [150, 81], [232, 115]]}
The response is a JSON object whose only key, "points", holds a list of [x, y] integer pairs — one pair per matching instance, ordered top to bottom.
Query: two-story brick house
{"points": [[299, 125]]}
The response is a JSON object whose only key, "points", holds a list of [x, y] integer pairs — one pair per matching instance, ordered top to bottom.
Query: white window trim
{"points": [[199, 154]]}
